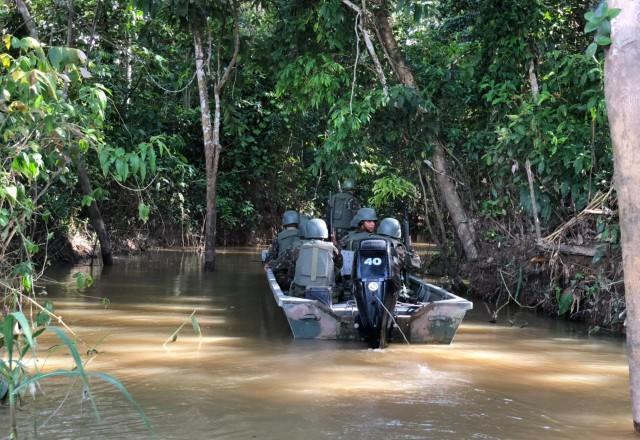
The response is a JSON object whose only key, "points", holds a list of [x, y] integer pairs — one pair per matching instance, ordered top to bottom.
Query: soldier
{"points": [[344, 206], [367, 219], [354, 228], [285, 238], [316, 260], [407, 260], [284, 265]]}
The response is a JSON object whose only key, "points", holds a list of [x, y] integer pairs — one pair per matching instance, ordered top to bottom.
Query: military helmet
{"points": [[348, 184], [366, 214], [290, 218], [355, 221], [302, 226], [390, 227], [316, 228]]}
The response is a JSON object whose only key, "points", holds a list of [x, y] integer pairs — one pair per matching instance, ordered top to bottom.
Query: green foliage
{"points": [[599, 21], [312, 80], [49, 115], [298, 115], [46, 117], [494, 124], [390, 189], [83, 281], [564, 300]]}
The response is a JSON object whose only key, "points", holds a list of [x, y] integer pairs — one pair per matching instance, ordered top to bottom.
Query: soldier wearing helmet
{"points": [[343, 207], [367, 219], [354, 228], [390, 229], [286, 238], [316, 260], [285, 263]]}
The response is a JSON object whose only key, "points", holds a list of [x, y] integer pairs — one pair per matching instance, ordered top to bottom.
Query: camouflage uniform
{"points": [[390, 229], [285, 239], [351, 241], [409, 261], [283, 266]]}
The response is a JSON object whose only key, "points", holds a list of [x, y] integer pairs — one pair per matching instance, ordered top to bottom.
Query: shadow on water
{"points": [[246, 378]]}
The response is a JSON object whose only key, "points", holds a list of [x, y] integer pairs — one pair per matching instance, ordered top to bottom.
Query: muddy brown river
{"points": [[245, 378]]}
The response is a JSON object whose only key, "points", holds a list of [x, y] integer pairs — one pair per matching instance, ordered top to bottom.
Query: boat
{"points": [[432, 316]]}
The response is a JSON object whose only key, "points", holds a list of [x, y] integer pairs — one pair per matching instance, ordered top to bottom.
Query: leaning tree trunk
{"points": [[29, 22], [405, 75], [622, 93], [209, 153], [95, 217], [464, 228]]}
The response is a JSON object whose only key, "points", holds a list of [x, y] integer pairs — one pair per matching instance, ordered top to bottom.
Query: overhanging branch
{"points": [[369, 44], [236, 49]]}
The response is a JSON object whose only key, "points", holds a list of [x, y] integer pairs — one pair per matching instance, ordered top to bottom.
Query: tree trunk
{"points": [[70, 17], [27, 18], [405, 75], [533, 81], [622, 93], [212, 145], [210, 153], [426, 207], [436, 208], [94, 212], [95, 216], [463, 226]]}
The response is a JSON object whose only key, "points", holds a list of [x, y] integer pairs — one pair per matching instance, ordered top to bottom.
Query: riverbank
{"points": [[562, 285]]}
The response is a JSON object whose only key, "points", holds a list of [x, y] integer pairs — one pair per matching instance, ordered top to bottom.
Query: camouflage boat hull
{"points": [[434, 320]]}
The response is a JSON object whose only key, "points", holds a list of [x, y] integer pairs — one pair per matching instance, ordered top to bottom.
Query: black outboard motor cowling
{"points": [[375, 290]]}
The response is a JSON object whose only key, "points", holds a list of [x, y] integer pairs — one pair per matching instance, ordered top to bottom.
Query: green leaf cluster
{"points": [[599, 21]]}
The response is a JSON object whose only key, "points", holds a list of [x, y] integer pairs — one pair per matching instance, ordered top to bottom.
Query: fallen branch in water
{"points": [[493, 314]]}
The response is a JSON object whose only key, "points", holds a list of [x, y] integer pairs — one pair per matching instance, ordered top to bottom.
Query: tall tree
{"points": [[203, 17], [622, 92], [211, 135]]}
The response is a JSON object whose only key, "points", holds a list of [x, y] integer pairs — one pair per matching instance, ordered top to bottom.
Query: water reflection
{"points": [[245, 378]]}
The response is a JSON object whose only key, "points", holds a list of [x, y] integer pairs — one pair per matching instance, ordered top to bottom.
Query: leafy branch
{"points": [[599, 21]]}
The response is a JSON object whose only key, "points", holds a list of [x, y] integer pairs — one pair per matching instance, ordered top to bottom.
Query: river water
{"points": [[246, 379]]}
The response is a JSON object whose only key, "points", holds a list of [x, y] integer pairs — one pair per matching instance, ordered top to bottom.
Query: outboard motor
{"points": [[375, 290]]}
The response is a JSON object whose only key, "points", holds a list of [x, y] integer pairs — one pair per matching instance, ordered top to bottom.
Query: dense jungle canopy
{"points": [[198, 123]]}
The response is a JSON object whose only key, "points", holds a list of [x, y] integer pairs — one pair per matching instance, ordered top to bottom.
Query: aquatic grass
{"points": [[196, 329], [79, 366], [83, 375], [15, 377]]}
